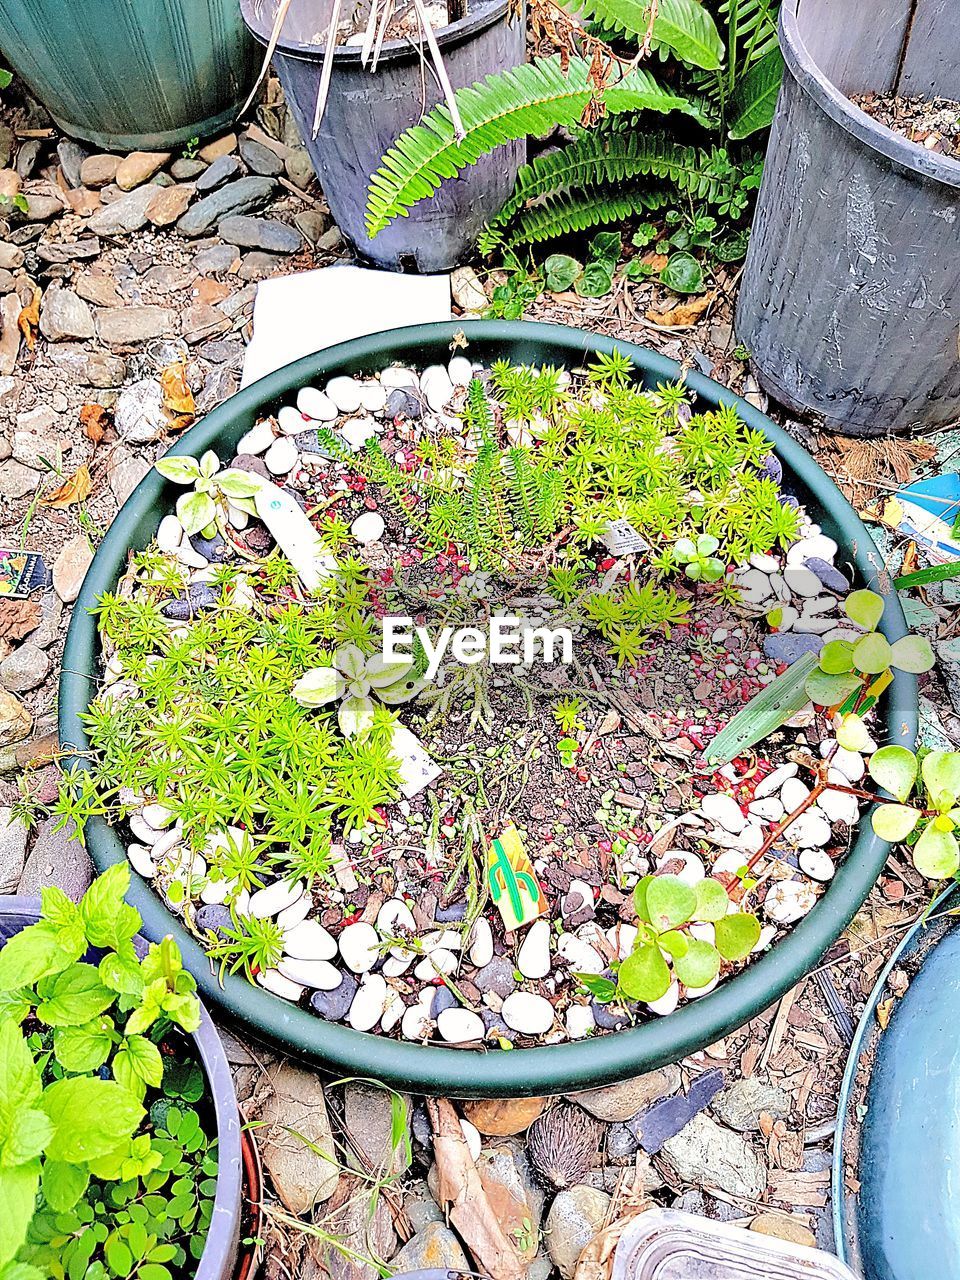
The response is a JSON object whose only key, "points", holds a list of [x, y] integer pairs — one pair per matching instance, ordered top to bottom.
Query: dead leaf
{"points": [[655, 260], [684, 313], [29, 321], [459, 341], [177, 397], [95, 421], [73, 490], [18, 618], [884, 1010], [459, 1185]]}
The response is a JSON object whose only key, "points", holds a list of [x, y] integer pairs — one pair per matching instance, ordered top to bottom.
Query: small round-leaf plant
{"points": [[211, 488], [699, 558], [930, 824], [669, 943], [105, 1170]]}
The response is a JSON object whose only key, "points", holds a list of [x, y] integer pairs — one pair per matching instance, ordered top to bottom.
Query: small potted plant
{"points": [[119, 1129]]}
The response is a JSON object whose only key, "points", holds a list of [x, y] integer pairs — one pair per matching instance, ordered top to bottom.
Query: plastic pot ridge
{"points": [[433, 1069]]}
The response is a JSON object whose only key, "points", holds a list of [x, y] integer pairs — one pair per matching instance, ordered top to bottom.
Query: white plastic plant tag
{"points": [[295, 535], [622, 539], [417, 770]]}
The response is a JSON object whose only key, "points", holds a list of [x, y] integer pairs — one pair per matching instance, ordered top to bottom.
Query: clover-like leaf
{"points": [[178, 469], [195, 511], [707, 544], [684, 549], [865, 608], [872, 653], [913, 654], [836, 657], [318, 686], [354, 715], [852, 734], [894, 769], [894, 822], [936, 854], [640, 898], [713, 901], [670, 902], [737, 935], [674, 942], [699, 965], [644, 975]]}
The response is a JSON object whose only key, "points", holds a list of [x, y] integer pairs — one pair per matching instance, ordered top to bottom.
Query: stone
{"points": [[218, 147], [71, 156], [260, 159], [139, 167], [185, 169], [222, 170], [9, 185], [235, 198], [169, 204], [41, 208], [127, 214], [311, 223], [260, 233], [330, 241], [11, 256], [218, 258], [258, 266], [99, 289], [467, 291], [10, 308], [64, 316], [202, 321], [124, 326], [104, 370], [437, 387], [345, 393], [140, 417], [281, 456], [16, 480], [368, 528], [70, 567], [831, 578], [788, 646], [24, 669], [15, 720], [725, 811], [13, 850], [57, 858], [309, 940], [359, 946], [533, 958], [496, 978], [369, 1003], [334, 1005], [530, 1014], [460, 1026], [623, 1101], [739, 1105], [368, 1115], [669, 1116], [503, 1117], [707, 1154], [302, 1176], [513, 1194], [575, 1217], [782, 1226], [360, 1227], [433, 1248]]}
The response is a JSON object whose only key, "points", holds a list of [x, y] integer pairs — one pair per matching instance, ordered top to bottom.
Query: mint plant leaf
{"points": [[75, 996], [91, 1117], [18, 1195]]}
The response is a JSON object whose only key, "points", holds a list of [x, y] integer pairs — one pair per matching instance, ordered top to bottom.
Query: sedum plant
{"points": [[699, 558], [931, 823], [91, 1184]]}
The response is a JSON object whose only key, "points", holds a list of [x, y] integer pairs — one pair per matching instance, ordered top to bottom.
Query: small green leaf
{"points": [[754, 100], [606, 246], [560, 271], [682, 274], [596, 280], [209, 464], [179, 470], [236, 483], [195, 511], [865, 608], [872, 653], [912, 653], [836, 657], [318, 686], [830, 690], [765, 712], [354, 715], [853, 734], [894, 769], [941, 776], [894, 822], [936, 854], [640, 898], [713, 901], [670, 902], [737, 935], [674, 943], [699, 965], [644, 975], [602, 989], [74, 997], [84, 1048], [91, 1117], [62, 1184], [18, 1195]]}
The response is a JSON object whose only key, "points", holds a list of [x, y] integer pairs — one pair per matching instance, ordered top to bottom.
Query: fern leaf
{"points": [[684, 27], [530, 99], [754, 100], [602, 158], [574, 211]]}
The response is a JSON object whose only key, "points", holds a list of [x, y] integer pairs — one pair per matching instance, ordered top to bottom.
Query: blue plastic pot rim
{"points": [[927, 165], [498, 1073]]}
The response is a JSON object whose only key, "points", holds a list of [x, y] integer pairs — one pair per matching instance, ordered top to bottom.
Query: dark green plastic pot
{"points": [[132, 74], [457, 1072]]}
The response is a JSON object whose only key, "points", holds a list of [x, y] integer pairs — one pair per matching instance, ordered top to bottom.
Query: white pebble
{"points": [[460, 371], [397, 376], [437, 387], [345, 393], [373, 397], [313, 404], [291, 421], [358, 431], [258, 439], [281, 457], [238, 519], [368, 528], [169, 533], [817, 547], [766, 564], [802, 582], [848, 763], [775, 780], [793, 793], [839, 807], [770, 809], [724, 810], [143, 830], [810, 831], [141, 860], [817, 864], [692, 871], [214, 892], [275, 897], [788, 901], [291, 916], [309, 940], [481, 943], [359, 946], [581, 957], [533, 958], [438, 963], [319, 975], [286, 988], [694, 993], [667, 1002], [369, 1003], [393, 1011], [527, 1013], [579, 1021], [416, 1022], [460, 1026], [471, 1134]]}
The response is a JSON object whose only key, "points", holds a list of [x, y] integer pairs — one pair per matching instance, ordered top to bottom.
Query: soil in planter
{"points": [[934, 123], [594, 766]]}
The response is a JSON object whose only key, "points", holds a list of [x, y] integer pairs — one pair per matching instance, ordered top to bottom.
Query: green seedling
{"points": [[212, 488], [699, 558], [931, 823]]}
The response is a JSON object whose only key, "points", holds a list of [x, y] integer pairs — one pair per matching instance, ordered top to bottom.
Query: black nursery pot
{"points": [[367, 111], [850, 300], [549, 1069], [222, 1251]]}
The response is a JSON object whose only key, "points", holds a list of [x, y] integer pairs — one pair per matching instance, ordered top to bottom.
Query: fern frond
{"points": [[682, 27], [526, 100], [612, 157], [573, 211]]}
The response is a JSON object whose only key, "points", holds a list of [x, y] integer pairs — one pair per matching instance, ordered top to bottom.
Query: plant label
{"points": [[294, 534], [622, 539], [20, 573], [417, 770], [512, 881]]}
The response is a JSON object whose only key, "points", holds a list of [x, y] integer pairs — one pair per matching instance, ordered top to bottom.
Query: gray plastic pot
{"points": [[127, 74], [366, 112], [850, 299], [558, 1068], [222, 1250]]}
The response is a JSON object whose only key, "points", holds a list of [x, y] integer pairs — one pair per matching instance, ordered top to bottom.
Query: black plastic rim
{"points": [[470, 1073]]}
